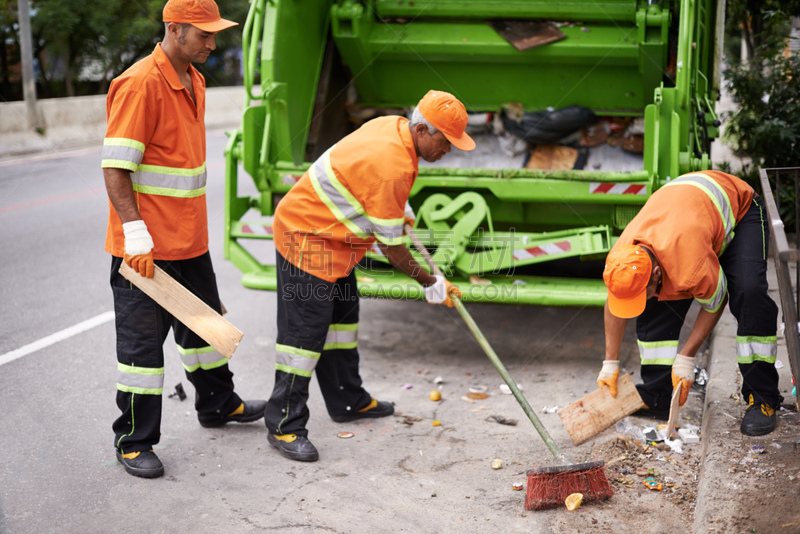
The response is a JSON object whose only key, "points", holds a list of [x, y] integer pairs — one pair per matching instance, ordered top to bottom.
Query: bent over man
{"points": [[154, 164], [354, 194], [702, 236]]}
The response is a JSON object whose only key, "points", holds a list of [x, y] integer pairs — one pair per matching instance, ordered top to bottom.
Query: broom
{"points": [[549, 486]]}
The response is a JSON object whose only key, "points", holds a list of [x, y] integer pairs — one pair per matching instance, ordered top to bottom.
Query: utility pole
{"points": [[28, 81]]}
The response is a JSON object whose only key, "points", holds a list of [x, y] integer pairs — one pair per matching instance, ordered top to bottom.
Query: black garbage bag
{"points": [[549, 126]]}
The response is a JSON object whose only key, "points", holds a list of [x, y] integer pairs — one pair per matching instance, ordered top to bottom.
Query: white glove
{"points": [[408, 214], [137, 238], [436, 293], [683, 375], [608, 376]]}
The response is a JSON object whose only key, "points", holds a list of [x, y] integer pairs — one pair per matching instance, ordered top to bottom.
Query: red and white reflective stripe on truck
{"points": [[617, 189], [257, 229], [542, 250]]}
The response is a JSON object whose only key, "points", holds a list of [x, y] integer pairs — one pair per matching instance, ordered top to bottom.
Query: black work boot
{"points": [[374, 409], [247, 412], [759, 419], [294, 447], [143, 464]]}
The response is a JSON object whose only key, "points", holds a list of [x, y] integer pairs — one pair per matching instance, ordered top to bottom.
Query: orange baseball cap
{"points": [[202, 14], [446, 113], [626, 275]]}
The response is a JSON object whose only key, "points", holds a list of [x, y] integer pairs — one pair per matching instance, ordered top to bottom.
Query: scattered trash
{"points": [[778, 364], [422, 371], [700, 379], [438, 380], [406, 386], [478, 389], [507, 390], [179, 392], [435, 395], [477, 396], [467, 399], [552, 409], [410, 420], [502, 420], [436, 423], [625, 426], [652, 434], [345, 435], [688, 435], [675, 444], [759, 449], [497, 463], [642, 472], [652, 484], [517, 486], [573, 501]]}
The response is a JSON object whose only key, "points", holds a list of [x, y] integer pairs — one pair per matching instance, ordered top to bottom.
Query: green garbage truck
{"points": [[502, 233]]}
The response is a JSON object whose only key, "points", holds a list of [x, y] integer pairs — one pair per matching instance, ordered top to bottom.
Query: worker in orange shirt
{"points": [[154, 164], [354, 195], [703, 237]]}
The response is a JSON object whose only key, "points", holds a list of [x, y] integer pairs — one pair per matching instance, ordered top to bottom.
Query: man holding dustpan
{"points": [[703, 237]]}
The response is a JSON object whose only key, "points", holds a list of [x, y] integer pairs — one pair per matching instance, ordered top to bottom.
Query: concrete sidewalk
{"points": [[747, 484]]}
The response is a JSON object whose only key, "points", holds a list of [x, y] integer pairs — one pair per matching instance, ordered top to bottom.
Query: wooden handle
{"points": [[184, 305]]}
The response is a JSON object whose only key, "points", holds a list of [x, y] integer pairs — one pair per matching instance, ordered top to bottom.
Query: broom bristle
{"points": [[549, 487]]}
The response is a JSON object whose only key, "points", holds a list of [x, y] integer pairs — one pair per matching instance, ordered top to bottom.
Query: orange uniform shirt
{"points": [[158, 133], [352, 195], [687, 223]]}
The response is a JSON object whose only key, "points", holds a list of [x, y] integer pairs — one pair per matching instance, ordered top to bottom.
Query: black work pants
{"points": [[744, 264], [142, 327], [317, 332]]}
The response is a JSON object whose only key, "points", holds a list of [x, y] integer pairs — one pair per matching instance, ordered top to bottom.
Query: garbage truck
{"points": [[504, 233]]}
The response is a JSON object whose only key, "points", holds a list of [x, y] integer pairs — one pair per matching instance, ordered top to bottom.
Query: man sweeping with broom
{"points": [[354, 194]]}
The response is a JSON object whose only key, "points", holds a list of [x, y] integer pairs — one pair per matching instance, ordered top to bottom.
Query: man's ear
{"points": [[420, 128]]}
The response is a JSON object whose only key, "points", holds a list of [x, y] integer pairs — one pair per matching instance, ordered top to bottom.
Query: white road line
{"points": [[58, 336]]}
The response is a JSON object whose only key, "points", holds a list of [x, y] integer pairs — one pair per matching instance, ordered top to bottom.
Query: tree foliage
{"points": [[81, 45], [766, 124]]}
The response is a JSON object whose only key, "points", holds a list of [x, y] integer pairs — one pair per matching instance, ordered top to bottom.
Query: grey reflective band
{"points": [[122, 153], [144, 176], [334, 195], [717, 195], [391, 235], [717, 298], [341, 336], [750, 349], [658, 352], [204, 358], [295, 361], [142, 380]]}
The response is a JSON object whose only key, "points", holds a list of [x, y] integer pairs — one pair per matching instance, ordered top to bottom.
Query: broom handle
{"points": [[487, 348]]}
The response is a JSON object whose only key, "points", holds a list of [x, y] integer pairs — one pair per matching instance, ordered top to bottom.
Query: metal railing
{"points": [[783, 255]]}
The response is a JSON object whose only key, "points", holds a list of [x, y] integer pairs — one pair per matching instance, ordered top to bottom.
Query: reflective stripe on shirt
{"points": [[122, 153], [170, 181], [717, 195], [337, 198], [717, 298]]}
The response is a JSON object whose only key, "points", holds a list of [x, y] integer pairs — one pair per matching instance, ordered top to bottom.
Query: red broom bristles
{"points": [[549, 487]]}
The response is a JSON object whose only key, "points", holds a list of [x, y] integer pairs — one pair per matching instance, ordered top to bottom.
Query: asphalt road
{"points": [[57, 467]]}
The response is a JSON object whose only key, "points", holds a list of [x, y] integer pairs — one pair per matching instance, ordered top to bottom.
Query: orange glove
{"points": [[138, 248], [452, 291], [683, 375], [608, 376]]}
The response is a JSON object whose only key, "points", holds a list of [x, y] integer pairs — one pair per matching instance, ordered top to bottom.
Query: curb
{"points": [[721, 420]]}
